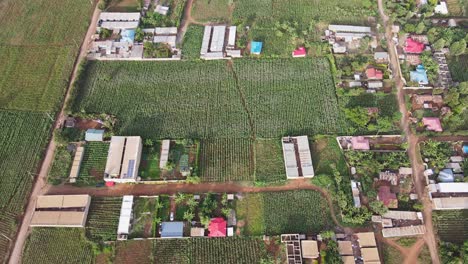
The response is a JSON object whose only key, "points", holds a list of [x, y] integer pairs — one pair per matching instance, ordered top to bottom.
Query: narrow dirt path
{"points": [[186, 21], [413, 147], [41, 180], [173, 188], [414, 252]]}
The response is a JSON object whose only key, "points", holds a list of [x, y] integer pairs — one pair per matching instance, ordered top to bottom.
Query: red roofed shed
{"points": [[413, 46], [299, 52], [373, 73], [432, 123], [360, 143], [217, 227]]}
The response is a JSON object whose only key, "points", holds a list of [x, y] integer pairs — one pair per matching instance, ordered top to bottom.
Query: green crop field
{"points": [[192, 42], [459, 68], [212, 99], [23, 137], [226, 160], [93, 163], [269, 164], [275, 213], [103, 218], [451, 225], [57, 246], [229, 250], [134, 251]]}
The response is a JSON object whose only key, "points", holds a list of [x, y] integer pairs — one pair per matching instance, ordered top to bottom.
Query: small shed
{"points": [[256, 47], [299, 52], [70, 122], [94, 135], [465, 149], [172, 229], [230, 231], [197, 232], [366, 239], [345, 248], [309, 249]]}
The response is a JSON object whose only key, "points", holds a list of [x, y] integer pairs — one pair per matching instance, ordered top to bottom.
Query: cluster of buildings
{"points": [[345, 37], [216, 46], [297, 157]]}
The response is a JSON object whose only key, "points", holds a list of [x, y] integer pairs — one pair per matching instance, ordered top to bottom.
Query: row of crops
{"points": [[205, 100], [23, 137], [94, 162], [274, 213], [103, 218], [451, 225], [57, 245], [230, 250]]}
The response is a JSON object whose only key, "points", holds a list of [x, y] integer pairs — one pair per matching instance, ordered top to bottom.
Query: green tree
{"points": [[420, 28], [439, 44], [458, 48], [358, 115], [180, 198], [378, 207], [188, 216]]}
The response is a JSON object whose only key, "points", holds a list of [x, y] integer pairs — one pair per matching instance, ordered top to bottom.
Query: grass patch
{"points": [[211, 10], [192, 42], [458, 66], [269, 161], [61, 166], [249, 211], [407, 241], [57, 245], [134, 251], [392, 255], [424, 255]]}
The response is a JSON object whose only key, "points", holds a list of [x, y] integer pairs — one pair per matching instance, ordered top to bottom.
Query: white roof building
{"points": [[441, 8], [120, 16], [119, 24], [348, 28], [165, 31], [232, 37], [217, 39], [170, 40], [206, 40], [164, 157], [297, 157], [123, 159], [75, 169], [451, 187], [125, 217]]}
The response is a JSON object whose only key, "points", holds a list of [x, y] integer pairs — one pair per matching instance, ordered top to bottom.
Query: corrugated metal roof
{"points": [[120, 16], [119, 24], [348, 28], [165, 31], [232, 36], [217, 39], [171, 40], [206, 40], [94, 135], [165, 146], [114, 157], [305, 157], [131, 159], [290, 160], [75, 169], [453, 187], [62, 201], [450, 203], [125, 215], [401, 215], [172, 229], [404, 231], [366, 239]]}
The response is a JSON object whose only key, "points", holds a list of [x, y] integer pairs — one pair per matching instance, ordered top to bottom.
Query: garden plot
{"points": [[93, 163], [145, 210], [103, 218]]}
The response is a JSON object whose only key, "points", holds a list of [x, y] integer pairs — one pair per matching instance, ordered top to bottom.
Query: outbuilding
{"points": [[94, 135]]}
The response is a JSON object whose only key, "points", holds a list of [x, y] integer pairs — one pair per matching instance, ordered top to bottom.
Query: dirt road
{"points": [[413, 148], [41, 180], [173, 188]]}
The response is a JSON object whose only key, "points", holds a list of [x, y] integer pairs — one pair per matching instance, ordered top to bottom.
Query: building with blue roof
{"points": [[128, 35], [256, 47], [419, 75], [94, 135], [465, 149], [172, 229]]}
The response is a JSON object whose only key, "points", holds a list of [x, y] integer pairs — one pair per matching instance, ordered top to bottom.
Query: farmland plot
{"points": [[39, 22], [459, 68], [33, 80], [204, 100], [23, 134], [226, 160], [93, 163], [269, 165], [103, 218], [452, 225], [57, 246], [229, 250], [134, 251]]}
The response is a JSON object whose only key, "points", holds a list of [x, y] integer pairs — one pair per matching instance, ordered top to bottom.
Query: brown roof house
{"points": [[388, 198], [61, 211]]}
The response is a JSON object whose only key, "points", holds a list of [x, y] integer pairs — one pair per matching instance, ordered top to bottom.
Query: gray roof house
{"points": [[381, 56], [94, 135], [172, 229]]}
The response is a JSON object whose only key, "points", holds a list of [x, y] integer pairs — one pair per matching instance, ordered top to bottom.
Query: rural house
{"points": [[381, 57], [373, 73], [432, 124], [123, 159], [449, 196], [388, 198], [217, 227], [172, 229], [309, 249]]}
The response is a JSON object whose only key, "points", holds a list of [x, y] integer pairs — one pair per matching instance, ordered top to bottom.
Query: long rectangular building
{"points": [[217, 39], [297, 157], [123, 159], [61, 211]]}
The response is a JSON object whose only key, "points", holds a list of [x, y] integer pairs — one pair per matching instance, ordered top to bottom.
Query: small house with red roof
{"points": [[413, 46], [299, 52], [373, 73], [432, 124], [388, 198], [217, 227]]}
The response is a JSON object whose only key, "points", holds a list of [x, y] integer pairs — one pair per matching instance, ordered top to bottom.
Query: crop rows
{"points": [[333, 11], [204, 100], [23, 136], [94, 160], [226, 160], [269, 165], [295, 212], [103, 219], [452, 226], [57, 245], [229, 250], [133, 251]]}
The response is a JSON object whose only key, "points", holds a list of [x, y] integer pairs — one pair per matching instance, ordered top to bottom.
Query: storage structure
{"points": [[297, 157], [123, 159], [75, 169], [61, 211]]}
